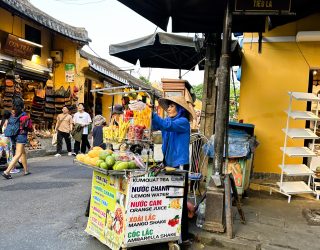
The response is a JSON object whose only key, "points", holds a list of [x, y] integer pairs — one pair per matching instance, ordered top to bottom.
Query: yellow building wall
{"points": [[16, 26], [50, 41], [70, 55], [266, 80]]}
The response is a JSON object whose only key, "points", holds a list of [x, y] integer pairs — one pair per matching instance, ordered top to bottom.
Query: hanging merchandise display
{"points": [[41, 102]]}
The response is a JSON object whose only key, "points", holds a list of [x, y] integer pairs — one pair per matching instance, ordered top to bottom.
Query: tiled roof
{"points": [[25, 9], [111, 70]]}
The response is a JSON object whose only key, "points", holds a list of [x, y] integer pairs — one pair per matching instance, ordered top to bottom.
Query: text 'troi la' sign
{"points": [[262, 5]]}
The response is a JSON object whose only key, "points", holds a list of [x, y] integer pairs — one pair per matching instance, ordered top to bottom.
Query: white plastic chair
{"points": [[197, 161]]}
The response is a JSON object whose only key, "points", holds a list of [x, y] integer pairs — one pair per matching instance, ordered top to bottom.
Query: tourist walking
{"points": [[82, 119], [18, 126], [63, 129]]}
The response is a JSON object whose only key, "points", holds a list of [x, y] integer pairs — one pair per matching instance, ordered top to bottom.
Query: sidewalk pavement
{"points": [[272, 224]]}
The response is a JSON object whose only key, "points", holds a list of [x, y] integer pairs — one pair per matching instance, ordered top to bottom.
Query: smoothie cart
{"points": [[134, 208]]}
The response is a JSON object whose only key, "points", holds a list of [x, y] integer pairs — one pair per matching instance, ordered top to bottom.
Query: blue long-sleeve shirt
{"points": [[175, 139]]}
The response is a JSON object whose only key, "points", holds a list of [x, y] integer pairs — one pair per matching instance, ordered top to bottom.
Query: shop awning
{"points": [[207, 15], [198, 16], [25, 74]]}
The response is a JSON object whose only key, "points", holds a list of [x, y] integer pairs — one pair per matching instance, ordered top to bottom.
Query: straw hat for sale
{"points": [[180, 100]]}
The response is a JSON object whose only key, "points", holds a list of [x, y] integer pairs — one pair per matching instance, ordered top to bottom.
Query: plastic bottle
{"points": [[144, 154], [201, 212]]}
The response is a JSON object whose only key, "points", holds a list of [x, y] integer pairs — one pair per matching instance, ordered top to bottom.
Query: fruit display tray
{"points": [[112, 172]]}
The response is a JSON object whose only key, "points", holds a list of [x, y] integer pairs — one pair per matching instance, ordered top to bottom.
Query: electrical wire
{"points": [[94, 52], [305, 59], [193, 67]]}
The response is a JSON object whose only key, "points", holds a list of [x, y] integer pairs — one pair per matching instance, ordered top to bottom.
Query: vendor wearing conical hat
{"points": [[175, 142]]}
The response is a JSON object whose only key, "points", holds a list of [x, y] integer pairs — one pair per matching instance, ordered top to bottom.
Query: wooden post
{"points": [[228, 206]]}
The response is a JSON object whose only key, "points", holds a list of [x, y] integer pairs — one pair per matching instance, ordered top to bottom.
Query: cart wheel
{"points": [[173, 246]]}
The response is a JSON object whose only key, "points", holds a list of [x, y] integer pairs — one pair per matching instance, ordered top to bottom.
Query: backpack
{"points": [[26, 124], [13, 126]]}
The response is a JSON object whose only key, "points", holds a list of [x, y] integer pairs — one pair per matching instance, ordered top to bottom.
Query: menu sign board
{"points": [[263, 5], [17, 48], [154, 209], [107, 212]]}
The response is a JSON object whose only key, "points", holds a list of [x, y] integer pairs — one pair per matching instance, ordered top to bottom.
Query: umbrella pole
{"points": [[180, 74], [223, 79], [112, 104], [215, 209]]}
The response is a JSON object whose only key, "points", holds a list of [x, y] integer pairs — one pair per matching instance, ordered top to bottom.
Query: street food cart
{"points": [[134, 208]]}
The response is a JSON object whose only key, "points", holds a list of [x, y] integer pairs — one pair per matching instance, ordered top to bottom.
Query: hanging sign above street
{"points": [[256, 6], [18, 48]]}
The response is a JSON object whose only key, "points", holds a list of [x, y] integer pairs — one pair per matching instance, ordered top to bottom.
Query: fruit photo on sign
{"points": [[175, 204], [109, 221], [173, 222], [118, 225]]}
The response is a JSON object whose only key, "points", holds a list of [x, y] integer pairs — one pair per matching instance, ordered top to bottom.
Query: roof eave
{"points": [[24, 16]]}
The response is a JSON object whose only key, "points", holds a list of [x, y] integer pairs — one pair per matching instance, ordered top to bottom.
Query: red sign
{"points": [[18, 48]]}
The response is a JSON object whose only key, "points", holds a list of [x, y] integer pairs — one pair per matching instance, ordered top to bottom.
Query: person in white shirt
{"points": [[84, 119]]}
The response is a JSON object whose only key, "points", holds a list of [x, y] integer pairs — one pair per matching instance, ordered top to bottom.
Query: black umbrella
{"points": [[193, 15], [159, 50], [166, 50]]}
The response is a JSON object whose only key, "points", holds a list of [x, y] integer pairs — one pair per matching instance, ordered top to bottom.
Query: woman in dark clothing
{"points": [[97, 133], [175, 144]]}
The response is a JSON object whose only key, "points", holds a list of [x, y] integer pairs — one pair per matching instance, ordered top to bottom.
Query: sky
{"points": [[110, 22]]}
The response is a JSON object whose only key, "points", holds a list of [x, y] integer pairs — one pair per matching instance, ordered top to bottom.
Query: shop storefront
{"points": [[38, 62]]}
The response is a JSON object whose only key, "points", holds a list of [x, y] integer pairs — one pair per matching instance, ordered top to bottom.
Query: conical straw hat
{"points": [[180, 100]]}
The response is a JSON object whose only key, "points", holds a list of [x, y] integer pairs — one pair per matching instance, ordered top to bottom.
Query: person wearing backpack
{"points": [[19, 124], [10, 148]]}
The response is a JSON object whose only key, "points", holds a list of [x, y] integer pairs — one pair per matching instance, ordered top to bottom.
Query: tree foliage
{"points": [[145, 80], [198, 90], [234, 98]]}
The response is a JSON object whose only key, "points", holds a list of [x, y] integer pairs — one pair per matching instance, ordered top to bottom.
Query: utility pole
{"points": [[215, 210]]}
